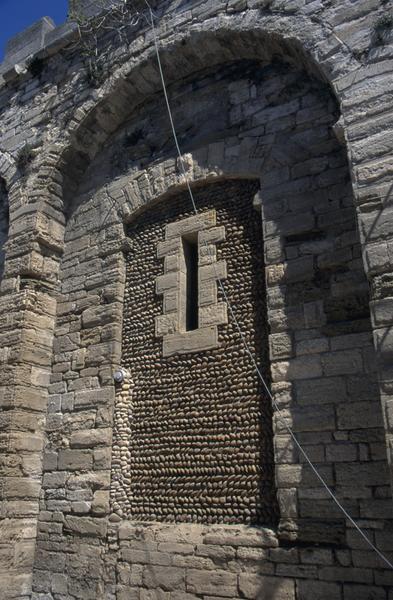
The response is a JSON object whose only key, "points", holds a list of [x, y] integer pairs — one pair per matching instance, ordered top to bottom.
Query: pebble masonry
{"points": [[180, 481]]}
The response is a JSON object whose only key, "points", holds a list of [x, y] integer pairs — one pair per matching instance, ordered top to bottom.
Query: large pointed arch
{"points": [[300, 40]]}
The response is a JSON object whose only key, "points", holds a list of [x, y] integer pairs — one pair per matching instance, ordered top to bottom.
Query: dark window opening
{"points": [[190, 249]]}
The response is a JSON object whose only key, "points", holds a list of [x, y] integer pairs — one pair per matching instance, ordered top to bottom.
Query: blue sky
{"points": [[16, 15]]}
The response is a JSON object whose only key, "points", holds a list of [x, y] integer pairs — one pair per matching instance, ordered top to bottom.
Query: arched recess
{"points": [[311, 251], [171, 395]]}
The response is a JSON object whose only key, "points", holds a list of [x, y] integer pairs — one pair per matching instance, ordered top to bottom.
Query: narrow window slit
{"points": [[190, 249]]}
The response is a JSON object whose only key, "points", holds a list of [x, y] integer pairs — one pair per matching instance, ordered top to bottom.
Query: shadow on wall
{"points": [[4, 224], [374, 225], [324, 369]]}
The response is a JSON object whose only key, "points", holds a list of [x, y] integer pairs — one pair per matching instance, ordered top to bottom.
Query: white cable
{"points": [[241, 334]]}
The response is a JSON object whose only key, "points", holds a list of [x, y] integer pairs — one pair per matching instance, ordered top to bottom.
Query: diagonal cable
{"points": [[241, 334]]}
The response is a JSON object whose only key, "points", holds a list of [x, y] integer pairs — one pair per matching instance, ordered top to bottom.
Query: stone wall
{"points": [[247, 84], [4, 224], [321, 351]]}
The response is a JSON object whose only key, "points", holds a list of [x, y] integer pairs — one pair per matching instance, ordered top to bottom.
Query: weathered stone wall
{"points": [[249, 120], [4, 224], [320, 344]]}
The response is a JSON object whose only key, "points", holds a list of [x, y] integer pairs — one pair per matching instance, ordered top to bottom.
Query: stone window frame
{"points": [[172, 285]]}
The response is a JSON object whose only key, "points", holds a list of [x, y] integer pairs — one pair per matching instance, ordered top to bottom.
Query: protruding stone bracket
{"points": [[172, 324]]}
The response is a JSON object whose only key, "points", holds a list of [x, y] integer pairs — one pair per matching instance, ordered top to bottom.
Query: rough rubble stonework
{"points": [[294, 97], [198, 425]]}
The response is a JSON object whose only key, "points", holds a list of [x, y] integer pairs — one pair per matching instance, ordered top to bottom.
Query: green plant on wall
{"points": [[73, 10], [111, 17], [382, 29], [87, 41], [25, 157]]}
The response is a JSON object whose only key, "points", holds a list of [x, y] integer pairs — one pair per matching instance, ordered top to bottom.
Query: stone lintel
{"points": [[192, 224]]}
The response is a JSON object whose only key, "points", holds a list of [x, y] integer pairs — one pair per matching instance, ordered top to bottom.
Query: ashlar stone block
{"points": [[206, 582], [266, 588]]}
